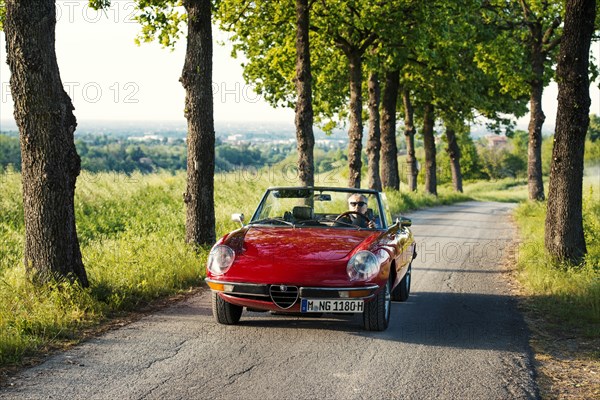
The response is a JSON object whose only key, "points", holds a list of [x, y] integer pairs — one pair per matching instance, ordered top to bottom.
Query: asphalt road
{"points": [[460, 336]]}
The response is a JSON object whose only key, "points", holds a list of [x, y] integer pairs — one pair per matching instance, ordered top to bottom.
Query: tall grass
{"points": [[131, 231]]}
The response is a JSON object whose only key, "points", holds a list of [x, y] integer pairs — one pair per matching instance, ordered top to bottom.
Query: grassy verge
{"points": [[130, 229], [562, 304]]}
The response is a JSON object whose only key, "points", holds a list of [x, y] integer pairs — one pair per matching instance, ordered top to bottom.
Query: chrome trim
{"points": [[349, 289], [263, 290], [284, 296]]}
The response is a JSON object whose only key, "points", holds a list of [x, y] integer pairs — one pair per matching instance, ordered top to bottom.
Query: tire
{"points": [[402, 291], [225, 313], [376, 316]]}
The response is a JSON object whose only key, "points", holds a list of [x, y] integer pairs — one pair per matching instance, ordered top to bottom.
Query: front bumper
{"points": [[276, 297]]}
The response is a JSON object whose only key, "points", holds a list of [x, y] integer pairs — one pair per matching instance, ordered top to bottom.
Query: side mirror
{"points": [[238, 218], [405, 222]]}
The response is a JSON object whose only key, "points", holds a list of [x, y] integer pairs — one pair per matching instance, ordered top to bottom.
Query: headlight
{"points": [[220, 259], [362, 266]]}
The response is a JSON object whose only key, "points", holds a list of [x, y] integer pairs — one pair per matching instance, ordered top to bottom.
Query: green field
{"points": [[131, 230]]}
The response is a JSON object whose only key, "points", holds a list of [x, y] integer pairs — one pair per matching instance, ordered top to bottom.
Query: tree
{"points": [[160, 19], [351, 27], [342, 32], [281, 50], [523, 54], [442, 74], [197, 81], [304, 112], [409, 135], [374, 137], [389, 148], [430, 151], [454, 153], [50, 164], [564, 238]]}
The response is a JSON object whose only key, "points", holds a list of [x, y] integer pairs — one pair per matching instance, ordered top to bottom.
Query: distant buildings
{"points": [[496, 142]]}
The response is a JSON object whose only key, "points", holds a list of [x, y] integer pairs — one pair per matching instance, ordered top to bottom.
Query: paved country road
{"points": [[460, 336]]}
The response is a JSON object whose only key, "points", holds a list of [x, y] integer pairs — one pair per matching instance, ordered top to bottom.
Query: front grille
{"points": [[283, 296]]}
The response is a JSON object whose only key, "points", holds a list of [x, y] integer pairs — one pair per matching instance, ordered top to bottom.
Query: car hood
{"points": [[300, 244], [307, 256]]}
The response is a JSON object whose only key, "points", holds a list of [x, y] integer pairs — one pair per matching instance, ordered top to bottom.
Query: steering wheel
{"points": [[345, 214]]}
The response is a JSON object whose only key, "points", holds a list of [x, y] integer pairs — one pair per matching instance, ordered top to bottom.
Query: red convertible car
{"points": [[314, 250]]}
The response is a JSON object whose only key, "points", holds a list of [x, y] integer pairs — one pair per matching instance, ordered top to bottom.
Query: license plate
{"points": [[331, 305]]}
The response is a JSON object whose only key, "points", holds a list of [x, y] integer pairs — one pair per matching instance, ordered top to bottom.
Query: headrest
{"points": [[302, 212]]}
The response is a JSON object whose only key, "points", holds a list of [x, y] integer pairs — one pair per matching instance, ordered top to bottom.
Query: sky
{"points": [[109, 78]]}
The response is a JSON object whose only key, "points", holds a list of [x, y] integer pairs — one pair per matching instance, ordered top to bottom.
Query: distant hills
{"points": [[225, 131]]}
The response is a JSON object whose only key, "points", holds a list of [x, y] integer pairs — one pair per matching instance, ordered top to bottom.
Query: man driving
{"points": [[358, 204]]}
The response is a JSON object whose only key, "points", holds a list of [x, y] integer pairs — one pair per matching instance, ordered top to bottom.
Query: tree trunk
{"points": [[197, 81], [304, 111], [355, 131], [409, 135], [374, 142], [429, 144], [389, 149], [454, 153], [534, 156], [50, 163], [564, 237]]}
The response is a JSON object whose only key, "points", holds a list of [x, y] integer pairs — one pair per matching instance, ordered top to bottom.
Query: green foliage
{"points": [[2, 14], [161, 20], [516, 27], [264, 32], [593, 132], [10, 152], [592, 154], [506, 161], [470, 163]]}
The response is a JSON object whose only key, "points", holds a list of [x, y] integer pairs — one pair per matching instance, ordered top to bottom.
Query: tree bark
{"points": [[197, 81], [304, 111], [537, 118], [355, 132], [409, 135], [374, 140], [429, 144], [389, 149], [454, 153], [50, 164], [564, 238]]}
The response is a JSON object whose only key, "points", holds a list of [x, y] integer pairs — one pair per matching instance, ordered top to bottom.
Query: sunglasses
{"points": [[357, 203]]}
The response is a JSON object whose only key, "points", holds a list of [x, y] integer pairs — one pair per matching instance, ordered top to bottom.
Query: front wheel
{"points": [[402, 291], [224, 312], [376, 316]]}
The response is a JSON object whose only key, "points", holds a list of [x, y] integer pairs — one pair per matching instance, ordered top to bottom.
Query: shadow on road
{"points": [[458, 320]]}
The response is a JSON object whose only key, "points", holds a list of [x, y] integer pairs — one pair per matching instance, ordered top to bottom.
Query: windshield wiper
{"points": [[267, 220]]}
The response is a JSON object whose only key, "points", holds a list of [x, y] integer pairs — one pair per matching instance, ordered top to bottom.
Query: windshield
{"points": [[318, 207]]}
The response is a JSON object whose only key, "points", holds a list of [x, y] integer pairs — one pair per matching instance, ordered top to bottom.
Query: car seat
{"points": [[302, 212]]}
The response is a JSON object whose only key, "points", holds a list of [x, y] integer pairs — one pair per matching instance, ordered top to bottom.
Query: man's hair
{"points": [[361, 196]]}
